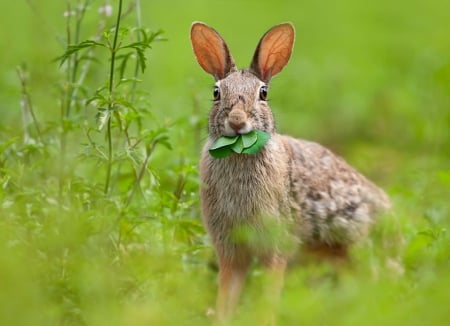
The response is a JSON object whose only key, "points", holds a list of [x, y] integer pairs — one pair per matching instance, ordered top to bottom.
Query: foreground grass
{"points": [[74, 252], [67, 266]]}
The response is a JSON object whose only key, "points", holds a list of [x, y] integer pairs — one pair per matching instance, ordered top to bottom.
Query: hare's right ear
{"points": [[211, 51]]}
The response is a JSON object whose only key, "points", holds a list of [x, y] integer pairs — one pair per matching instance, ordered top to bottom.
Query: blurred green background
{"points": [[360, 72], [370, 80]]}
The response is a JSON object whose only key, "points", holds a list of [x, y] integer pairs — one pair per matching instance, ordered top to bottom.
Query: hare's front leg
{"points": [[275, 266], [232, 273]]}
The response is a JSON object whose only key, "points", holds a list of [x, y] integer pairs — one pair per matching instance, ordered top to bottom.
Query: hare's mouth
{"points": [[233, 128]]}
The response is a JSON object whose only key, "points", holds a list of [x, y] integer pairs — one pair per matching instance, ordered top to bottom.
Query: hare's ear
{"points": [[211, 51], [273, 51]]}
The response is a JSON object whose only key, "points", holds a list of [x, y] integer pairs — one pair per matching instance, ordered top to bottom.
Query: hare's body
{"points": [[292, 193], [324, 200]]}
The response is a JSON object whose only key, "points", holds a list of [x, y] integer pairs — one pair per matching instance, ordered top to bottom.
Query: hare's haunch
{"points": [[293, 193]]}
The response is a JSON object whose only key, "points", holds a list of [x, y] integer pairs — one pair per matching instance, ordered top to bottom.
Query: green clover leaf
{"points": [[250, 138], [262, 139], [223, 142], [250, 143]]}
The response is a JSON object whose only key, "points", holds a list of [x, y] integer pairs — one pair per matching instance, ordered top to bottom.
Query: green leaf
{"points": [[74, 48], [102, 117], [263, 137], [249, 139], [224, 141], [250, 143], [222, 146], [238, 146], [220, 152]]}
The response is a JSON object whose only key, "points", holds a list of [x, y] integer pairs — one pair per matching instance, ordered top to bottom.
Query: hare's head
{"points": [[240, 96]]}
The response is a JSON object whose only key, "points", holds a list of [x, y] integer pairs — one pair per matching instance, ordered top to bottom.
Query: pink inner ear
{"points": [[211, 51], [274, 51], [277, 55], [211, 61]]}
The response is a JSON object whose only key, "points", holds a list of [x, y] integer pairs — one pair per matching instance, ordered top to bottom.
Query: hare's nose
{"points": [[237, 119]]}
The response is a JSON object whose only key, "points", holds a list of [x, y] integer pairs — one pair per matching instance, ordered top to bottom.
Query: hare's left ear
{"points": [[273, 51]]}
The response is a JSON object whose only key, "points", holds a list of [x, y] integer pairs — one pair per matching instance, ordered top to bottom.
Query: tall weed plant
{"points": [[82, 204]]}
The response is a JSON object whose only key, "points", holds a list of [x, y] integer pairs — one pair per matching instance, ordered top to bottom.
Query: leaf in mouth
{"points": [[250, 143]]}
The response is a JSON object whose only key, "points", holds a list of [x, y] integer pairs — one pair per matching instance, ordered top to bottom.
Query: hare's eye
{"points": [[216, 93], [263, 93]]}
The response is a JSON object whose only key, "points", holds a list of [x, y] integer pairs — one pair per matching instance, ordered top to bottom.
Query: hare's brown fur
{"points": [[292, 193]]}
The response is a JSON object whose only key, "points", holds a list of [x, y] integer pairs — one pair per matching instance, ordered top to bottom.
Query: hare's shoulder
{"points": [[314, 158], [318, 174]]}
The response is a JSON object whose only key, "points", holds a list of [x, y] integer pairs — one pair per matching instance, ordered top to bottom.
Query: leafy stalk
{"points": [[71, 75], [108, 99], [111, 102]]}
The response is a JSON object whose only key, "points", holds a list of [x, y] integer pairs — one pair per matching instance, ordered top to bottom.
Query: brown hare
{"points": [[292, 193]]}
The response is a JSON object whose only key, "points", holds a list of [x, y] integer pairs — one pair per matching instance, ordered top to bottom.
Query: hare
{"points": [[292, 194]]}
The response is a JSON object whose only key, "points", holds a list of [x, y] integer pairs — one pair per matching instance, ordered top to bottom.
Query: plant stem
{"points": [[137, 66], [73, 71], [71, 90], [111, 101], [65, 103], [27, 106], [141, 173]]}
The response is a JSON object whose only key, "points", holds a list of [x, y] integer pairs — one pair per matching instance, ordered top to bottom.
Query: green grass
{"points": [[369, 80]]}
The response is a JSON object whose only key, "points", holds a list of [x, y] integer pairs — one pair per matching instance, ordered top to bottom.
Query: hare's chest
{"points": [[239, 189]]}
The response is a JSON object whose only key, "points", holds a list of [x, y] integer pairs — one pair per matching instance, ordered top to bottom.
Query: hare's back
{"points": [[336, 204]]}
